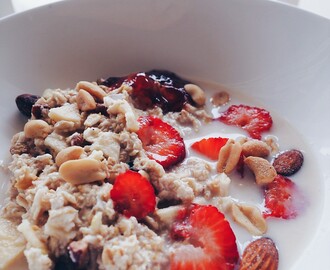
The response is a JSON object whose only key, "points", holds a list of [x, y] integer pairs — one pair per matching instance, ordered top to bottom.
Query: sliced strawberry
{"points": [[252, 119], [161, 141], [209, 147], [133, 195], [283, 199], [209, 242]]}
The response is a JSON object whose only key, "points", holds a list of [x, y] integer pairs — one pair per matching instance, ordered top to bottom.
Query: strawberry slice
{"points": [[252, 119], [161, 141], [209, 147], [133, 195], [283, 199], [209, 242]]}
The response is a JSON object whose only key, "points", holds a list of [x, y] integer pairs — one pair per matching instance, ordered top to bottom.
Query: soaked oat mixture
{"points": [[101, 178]]}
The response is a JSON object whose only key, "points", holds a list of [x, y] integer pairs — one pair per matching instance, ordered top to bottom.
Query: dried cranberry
{"points": [[25, 102]]}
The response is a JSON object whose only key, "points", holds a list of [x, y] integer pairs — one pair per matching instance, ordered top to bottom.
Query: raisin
{"points": [[25, 102], [288, 162]]}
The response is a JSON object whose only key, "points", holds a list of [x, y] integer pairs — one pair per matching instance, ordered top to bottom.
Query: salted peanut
{"points": [[95, 90], [197, 94], [220, 98], [85, 101], [121, 106], [68, 112], [37, 129], [255, 148], [69, 153], [229, 156], [82, 171], [263, 171], [168, 215], [249, 217], [12, 244]]}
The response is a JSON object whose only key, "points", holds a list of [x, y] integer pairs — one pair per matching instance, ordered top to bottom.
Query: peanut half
{"points": [[95, 90], [197, 94], [85, 101], [36, 129], [255, 148], [69, 153], [229, 156], [82, 171], [263, 171], [249, 217]]}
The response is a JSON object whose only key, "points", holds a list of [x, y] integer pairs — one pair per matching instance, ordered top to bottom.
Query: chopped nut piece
{"points": [[95, 90], [197, 94], [85, 101], [65, 112], [36, 129], [255, 148], [70, 153], [229, 156], [82, 171], [264, 172], [250, 217]]}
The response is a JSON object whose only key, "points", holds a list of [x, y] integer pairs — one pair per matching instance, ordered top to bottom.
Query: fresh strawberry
{"points": [[252, 119], [161, 141], [209, 147], [133, 195], [283, 199], [208, 241]]}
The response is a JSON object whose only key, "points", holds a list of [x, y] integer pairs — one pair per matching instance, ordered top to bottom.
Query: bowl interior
{"points": [[276, 54]]}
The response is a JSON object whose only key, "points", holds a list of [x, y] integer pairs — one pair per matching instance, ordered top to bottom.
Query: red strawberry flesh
{"points": [[252, 119], [161, 141], [209, 147], [133, 195], [283, 199], [209, 242]]}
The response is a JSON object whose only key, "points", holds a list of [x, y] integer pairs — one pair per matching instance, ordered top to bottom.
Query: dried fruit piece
{"points": [[154, 88], [25, 102], [252, 119], [161, 141], [209, 147], [288, 162], [133, 195], [283, 199], [209, 242], [260, 254]]}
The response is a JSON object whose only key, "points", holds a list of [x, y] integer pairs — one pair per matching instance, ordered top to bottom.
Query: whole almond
{"points": [[260, 254]]}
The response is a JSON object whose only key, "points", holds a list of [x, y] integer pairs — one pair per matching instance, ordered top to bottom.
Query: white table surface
{"points": [[320, 7]]}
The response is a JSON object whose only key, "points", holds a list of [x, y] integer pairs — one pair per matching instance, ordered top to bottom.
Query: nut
{"points": [[95, 90], [196, 93], [220, 98], [85, 101], [66, 112], [36, 129], [255, 148], [69, 153], [229, 156], [82, 171], [263, 171], [250, 217], [260, 254]]}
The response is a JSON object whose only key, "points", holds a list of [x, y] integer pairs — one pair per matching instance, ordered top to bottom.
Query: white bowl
{"points": [[277, 54]]}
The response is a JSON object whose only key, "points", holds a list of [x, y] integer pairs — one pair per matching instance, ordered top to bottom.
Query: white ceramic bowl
{"points": [[278, 55]]}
